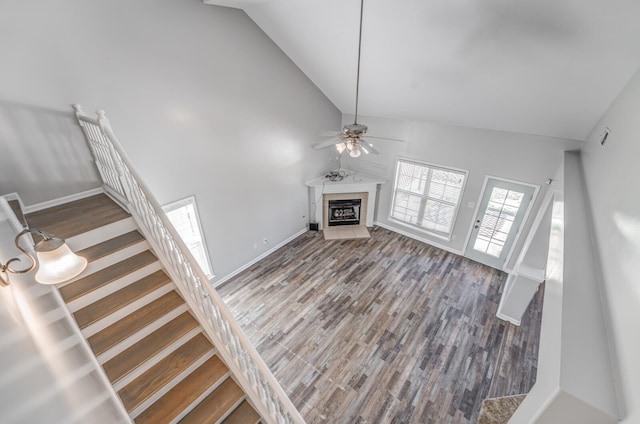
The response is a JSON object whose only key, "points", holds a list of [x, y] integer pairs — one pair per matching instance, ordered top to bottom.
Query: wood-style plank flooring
{"points": [[74, 218], [383, 330]]}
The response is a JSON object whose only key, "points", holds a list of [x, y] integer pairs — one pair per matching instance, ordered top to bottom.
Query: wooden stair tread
{"points": [[17, 211], [77, 217], [110, 246], [105, 276], [121, 298], [117, 332], [134, 356], [164, 371], [184, 393], [216, 404], [243, 414]]}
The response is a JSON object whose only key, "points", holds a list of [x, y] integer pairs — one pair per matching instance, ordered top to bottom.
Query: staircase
{"points": [[156, 355]]}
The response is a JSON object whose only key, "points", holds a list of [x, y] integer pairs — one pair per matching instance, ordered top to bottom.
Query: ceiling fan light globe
{"points": [[340, 147], [355, 152]]}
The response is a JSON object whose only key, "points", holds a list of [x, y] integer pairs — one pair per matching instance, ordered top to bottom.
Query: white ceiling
{"points": [[543, 67]]}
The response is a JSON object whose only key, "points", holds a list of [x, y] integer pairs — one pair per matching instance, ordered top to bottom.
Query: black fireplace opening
{"points": [[344, 212]]}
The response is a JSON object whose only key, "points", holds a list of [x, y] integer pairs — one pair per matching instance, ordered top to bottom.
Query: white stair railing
{"points": [[125, 186]]}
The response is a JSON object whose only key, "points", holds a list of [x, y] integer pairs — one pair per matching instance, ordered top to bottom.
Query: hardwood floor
{"points": [[383, 330]]}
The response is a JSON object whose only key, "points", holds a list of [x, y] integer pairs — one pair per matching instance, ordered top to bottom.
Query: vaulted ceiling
{"points": [[541, 67]]}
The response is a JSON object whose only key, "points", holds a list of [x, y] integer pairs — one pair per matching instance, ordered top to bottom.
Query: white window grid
{"points": [[427, 196]]}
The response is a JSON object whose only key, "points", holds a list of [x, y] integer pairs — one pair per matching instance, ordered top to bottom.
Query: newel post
{"points": [[105, 126]]}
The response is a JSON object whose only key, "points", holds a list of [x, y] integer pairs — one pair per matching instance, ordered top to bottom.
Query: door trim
{"points": [[534, 197]]}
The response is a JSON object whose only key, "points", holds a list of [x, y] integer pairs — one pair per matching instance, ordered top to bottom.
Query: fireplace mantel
{"points": [[352, 183]]}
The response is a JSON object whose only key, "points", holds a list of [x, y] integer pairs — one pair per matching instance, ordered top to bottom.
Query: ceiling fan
{"points": [[351, 138]]}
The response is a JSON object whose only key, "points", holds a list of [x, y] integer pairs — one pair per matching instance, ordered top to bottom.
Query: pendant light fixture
{"points": [[57, 263]]}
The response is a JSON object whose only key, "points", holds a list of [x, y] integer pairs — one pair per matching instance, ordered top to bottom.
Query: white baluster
{"points": [[216, 319], [237, 348], [243, 361], [252, 374], [261, 391], [272, 404]]}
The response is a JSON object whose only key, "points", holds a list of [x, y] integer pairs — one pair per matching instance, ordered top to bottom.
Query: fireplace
{"points": [[353, 187], [344, 212]]}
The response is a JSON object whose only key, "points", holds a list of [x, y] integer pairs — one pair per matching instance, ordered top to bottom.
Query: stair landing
{"points": [[77, 217]]}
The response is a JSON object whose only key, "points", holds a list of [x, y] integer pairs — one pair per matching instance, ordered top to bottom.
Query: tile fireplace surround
{"points": [[353, 186], [344, 232]]}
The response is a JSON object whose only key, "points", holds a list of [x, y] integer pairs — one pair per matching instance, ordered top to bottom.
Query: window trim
{"points": [[184, 202], [436, 234]]}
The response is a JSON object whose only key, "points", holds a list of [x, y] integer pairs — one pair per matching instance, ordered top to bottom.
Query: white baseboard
{"points": [[13, 196], [62, 200], [304, 230], [422, 239], [264, 255], [508, 319]]}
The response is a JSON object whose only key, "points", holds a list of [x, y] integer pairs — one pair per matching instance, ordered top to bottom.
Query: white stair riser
{"points": [[100, 234], [107, 261], [114, 286], [116, 316], [141, 334], [150, 362], [171, 384], [200, 398], [231, 408]]}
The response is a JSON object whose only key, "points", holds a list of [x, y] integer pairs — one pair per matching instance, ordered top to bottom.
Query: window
{"points": [[427, 196], [183, 214]]}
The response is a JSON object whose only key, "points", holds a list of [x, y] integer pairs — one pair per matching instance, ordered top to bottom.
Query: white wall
{"points": [[203, 102], [44, 155], [520, 157], [613, 177], [45, 374]]}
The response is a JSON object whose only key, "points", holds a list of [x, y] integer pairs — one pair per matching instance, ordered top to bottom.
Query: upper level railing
{"points": [[126, 187]]}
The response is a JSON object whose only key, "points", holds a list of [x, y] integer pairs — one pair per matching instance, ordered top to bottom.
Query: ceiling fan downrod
{"points": [[355, 121], [351, 137]]}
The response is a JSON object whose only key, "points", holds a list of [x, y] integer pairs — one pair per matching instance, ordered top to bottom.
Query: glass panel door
{"points": [[499, 218]]}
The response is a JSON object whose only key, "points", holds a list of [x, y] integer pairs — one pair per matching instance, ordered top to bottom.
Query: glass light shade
{"points": [[340, 147], [355, 152], [57, 263]]}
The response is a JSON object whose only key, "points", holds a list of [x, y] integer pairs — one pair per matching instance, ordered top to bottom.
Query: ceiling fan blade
{"points": [[330, 133], [384, 138], [327, 143], [368, 147]]}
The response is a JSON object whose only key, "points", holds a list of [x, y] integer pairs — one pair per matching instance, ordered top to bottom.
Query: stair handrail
{"points": [[128, 189]]}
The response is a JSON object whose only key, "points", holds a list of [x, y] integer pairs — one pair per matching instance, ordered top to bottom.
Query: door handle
{"points": [[476, 226]]}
